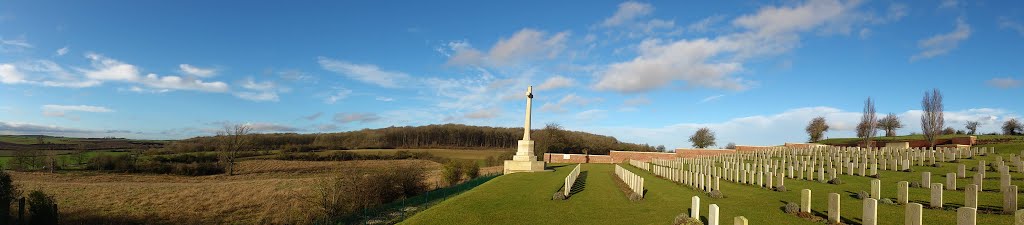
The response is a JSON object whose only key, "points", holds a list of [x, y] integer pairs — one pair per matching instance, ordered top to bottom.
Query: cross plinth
{"points": [[524, 160]]}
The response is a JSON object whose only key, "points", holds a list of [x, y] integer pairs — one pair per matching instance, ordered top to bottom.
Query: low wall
{"points": [[743, 148], [694, 153], [622, 156], [576, 158]]}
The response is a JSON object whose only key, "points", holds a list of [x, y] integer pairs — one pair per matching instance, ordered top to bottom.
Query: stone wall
{"points": [[743, 148], [693, 153], [622, 156], [576, 158]]}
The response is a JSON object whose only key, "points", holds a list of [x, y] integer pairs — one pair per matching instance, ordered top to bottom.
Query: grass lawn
{"points": [[524, 199]]}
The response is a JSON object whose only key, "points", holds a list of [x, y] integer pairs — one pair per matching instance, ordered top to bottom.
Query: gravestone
{"points": [[961, 171], [926, 178], [979, 180], [781, 181], [951, 181], [876, 189], [901, 192], [971, 196], [1010, 199], [805, 200], [936, 200], [695, 207], [833, 208], [870, 212], [713, 214], [913, 214], [966, 216], [1018, 217], [739, 220]]}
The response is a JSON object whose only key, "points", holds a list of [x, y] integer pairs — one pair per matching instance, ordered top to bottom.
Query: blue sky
{"points": [[642, 71]]}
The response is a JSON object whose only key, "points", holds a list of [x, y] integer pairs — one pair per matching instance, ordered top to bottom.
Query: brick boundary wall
{"points": [[622, 156]]}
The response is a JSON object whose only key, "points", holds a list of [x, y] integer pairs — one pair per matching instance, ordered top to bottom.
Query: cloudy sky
{"points": [[642, 71]]}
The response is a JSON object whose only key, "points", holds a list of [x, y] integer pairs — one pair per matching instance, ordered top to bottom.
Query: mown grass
{"points": [[524, 199]]}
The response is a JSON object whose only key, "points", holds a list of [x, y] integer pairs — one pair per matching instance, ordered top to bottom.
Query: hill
{"points": [[43, 142]]}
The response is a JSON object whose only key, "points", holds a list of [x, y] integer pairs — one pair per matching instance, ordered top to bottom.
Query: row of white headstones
{"points": [[736, 169], [570, 180], [633, 181]]}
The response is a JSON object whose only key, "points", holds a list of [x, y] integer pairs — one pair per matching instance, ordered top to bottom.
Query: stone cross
{"points": [[529, 108]]}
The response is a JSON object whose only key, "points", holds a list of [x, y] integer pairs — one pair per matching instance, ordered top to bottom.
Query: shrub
{"points": [[471, 169], [452, 172], [836, 181], [915, 184], [780, 188], [8, 192], [717, 194], [862, 195], [558, 196], [635, 197], [338, 198], [887, 201], [792, 208], [40, 209], [684, 219]]}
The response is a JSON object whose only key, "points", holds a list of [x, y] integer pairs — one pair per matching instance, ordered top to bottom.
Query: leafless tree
{"points": [[932, 120], [869, 122], [890, 123], [972, 127], [1012, 127], [817, 128], [703, 138], [236, 139]]}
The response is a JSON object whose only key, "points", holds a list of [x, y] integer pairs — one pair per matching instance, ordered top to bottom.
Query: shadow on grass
{"points": [[558, 166], [581, 183]]}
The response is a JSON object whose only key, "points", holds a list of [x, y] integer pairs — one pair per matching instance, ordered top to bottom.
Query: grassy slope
{"points": [[31, 139], [443, 153], [523, 199]]}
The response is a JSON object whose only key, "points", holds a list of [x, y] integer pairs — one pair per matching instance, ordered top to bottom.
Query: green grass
{"points": [[31, 139], [850, 141], [65, 156], [524, 199]]}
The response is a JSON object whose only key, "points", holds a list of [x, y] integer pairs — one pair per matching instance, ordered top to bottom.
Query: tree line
{"points": [[552, 138]]}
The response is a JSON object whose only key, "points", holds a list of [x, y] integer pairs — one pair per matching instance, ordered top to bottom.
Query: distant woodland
{"points": [[552, 138]]}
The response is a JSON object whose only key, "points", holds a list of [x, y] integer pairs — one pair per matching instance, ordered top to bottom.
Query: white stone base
{"points": [[512, 166]]}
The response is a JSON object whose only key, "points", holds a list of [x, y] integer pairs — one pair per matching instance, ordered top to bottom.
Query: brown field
{"points": [[443, 153], [263, 192]]}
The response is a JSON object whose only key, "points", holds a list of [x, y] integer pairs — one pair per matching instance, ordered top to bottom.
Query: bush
{"points": [[471, 169], [452, 172], [836, 181], [915, 184], [780, 188], [8, 192], [717, 194], [862, 195], [558, 196], [340, 197], [635, 197], [887, 201], [792, 208], [41, 209], [684, 219]]}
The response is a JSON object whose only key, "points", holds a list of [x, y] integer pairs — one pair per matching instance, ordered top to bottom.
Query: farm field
{"points": [[443, 153], [263, 191], [525, 198]]}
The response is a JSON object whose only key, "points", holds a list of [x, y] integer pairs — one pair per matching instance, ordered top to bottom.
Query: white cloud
{"points": [[949, 4], [627, 12], [1007, 23], [706, 24], [943, 43], [13, 45], [525, 45], [63, 51], [712, 62], [107, 69], [196, 71], [368, 73], [9, 74], [556, 82], [1004, 82], [260, 91], [338, 94], [258, 96], [711, 98], [384, 99], [569, 100], [636, 101], [64, 110], [487, 113], [314, 116], [356, 117], [272, 127], [28, 128]]}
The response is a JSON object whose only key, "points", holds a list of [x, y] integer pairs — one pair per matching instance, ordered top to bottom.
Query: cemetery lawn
{"points": [[524, 198]]}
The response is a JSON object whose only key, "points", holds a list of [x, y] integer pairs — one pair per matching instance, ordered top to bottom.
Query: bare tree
{"points": [[932, 120], [869, 122], [889, 124], [972, 127], [1012, 127], [817, 128], [703, 138], [235, 139], [730, 146]]}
